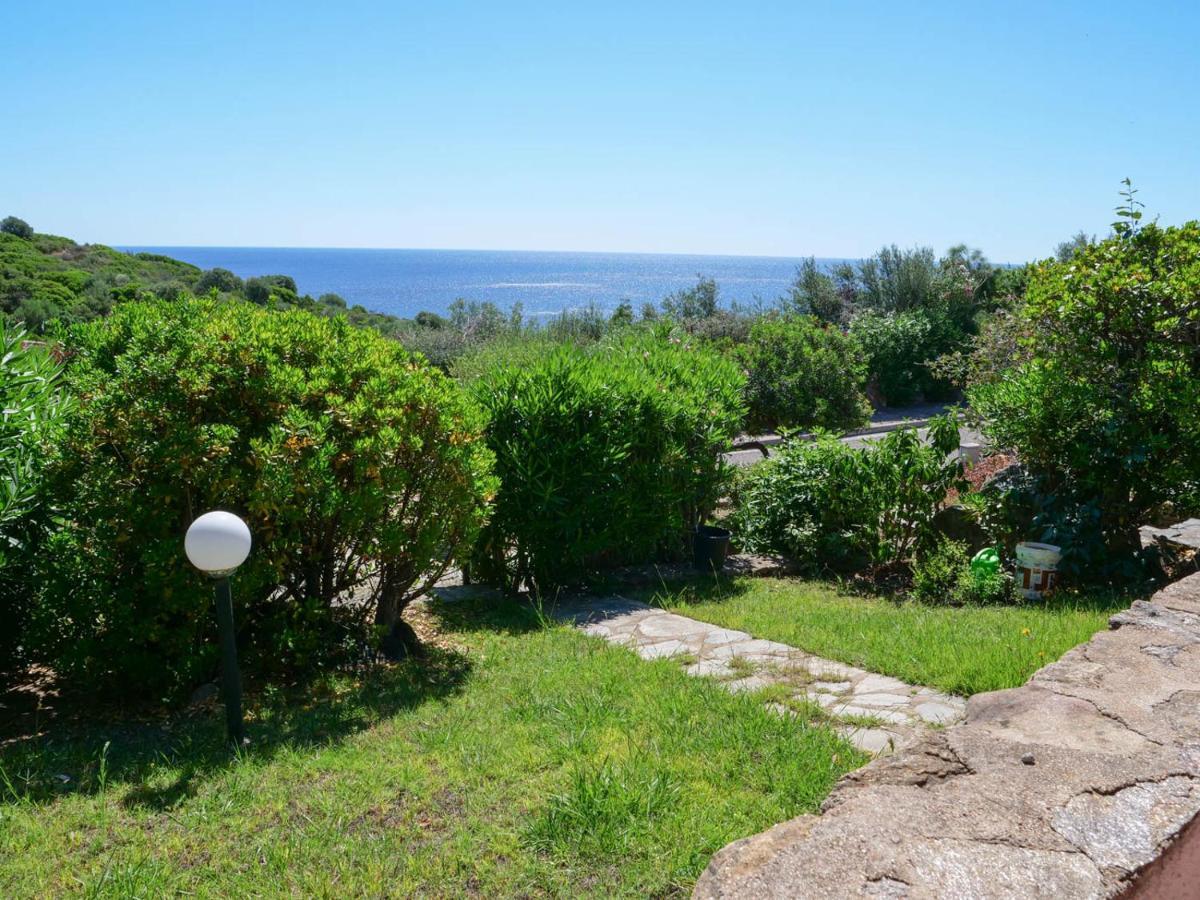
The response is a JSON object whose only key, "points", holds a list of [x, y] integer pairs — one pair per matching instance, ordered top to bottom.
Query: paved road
{"points": [[969, 437]]}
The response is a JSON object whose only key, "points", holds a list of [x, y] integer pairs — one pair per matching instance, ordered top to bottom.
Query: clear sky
{"points": [[746, 128]]}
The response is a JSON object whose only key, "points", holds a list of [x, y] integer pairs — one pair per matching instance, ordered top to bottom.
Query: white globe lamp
{"points": [[217, 543]]}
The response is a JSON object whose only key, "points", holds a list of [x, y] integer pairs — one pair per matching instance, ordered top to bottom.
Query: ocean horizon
{"points": [[403, 282]]}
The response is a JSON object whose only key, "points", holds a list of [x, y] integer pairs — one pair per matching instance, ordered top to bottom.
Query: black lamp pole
{"points": [[231, 679]]}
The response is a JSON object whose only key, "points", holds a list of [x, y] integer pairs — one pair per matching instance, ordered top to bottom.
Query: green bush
{"points": [[814, 293], [724, 330], [900, 346], [513, 351], [803, 374], [1104, 407], [34, 408], [606, 454], [359, 470], [804, 502], [831, 506], [937, 570], [942, 574], [984, 587]]}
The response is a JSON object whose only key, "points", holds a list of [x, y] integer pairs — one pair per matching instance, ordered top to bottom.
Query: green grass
{"points": [[962, 650], [527, 760]]}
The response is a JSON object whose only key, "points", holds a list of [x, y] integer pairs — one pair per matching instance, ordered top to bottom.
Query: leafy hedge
{"points": [[900, 348], [804, 374], [34, 409], [605, 455], [359, 469], [834, 507]]}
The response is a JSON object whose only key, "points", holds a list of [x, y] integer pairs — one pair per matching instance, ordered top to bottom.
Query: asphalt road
{"points": [[969, 437]]}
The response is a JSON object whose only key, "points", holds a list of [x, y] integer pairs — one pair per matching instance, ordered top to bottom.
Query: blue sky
{"points": [[748, 128]]}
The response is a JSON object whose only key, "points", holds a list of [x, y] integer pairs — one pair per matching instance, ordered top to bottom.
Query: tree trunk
{"points": [[400, 641]]}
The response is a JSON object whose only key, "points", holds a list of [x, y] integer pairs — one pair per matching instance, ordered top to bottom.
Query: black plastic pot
{"points": [[710, 546]]}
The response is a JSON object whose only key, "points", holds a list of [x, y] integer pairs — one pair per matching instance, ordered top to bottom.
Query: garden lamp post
{"points": [[217, 543]]}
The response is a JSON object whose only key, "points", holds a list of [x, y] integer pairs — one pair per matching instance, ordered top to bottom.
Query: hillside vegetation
{"points": [[44, 277]]}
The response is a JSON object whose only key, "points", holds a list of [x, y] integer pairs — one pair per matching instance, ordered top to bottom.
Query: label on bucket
{"points": [[1037, 568], [1035, 582]]}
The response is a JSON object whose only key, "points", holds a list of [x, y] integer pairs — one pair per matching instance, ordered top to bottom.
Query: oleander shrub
{"points": [[801, 373], [1103, 405], [34, 407], [606, 454], [359, 469], [833, 507]]}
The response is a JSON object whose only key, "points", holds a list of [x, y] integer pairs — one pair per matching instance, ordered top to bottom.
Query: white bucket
{"points": [[1037, 569]]}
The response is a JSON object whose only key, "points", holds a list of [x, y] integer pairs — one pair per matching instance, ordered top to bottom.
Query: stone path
{"points": [[877, 713]]}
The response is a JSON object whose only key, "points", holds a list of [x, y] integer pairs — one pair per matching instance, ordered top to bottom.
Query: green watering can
{"points": [[986, 561]]}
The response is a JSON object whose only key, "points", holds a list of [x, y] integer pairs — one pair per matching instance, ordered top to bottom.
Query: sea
{"points": [[405, 282]]}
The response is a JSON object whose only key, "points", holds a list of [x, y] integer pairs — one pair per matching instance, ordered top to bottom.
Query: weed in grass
{"points": [[741, 667], [795, 674], [775, 692], [782, 696], [805, 707], [853, 721], [604, 811], [122, 878]]}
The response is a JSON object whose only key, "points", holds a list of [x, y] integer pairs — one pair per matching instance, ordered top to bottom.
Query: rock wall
{"points": [[1081, 783]]}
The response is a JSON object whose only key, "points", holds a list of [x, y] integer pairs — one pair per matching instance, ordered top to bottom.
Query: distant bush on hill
{"points": [[19, 227], [220, 280]]}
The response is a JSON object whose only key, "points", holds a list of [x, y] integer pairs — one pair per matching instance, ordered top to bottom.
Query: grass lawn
{"points": [[962, 650], [522, 759]]}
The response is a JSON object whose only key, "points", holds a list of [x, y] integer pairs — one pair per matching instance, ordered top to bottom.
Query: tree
{"points": [[19, 227], [1064, 251], [221, 280], [896, 280], [260, 290], [814, 293], [697, 302], [622, 315], [475, 320]]}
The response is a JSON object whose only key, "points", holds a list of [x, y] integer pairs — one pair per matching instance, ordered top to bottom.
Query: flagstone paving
{"points": [[879, 713]]}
